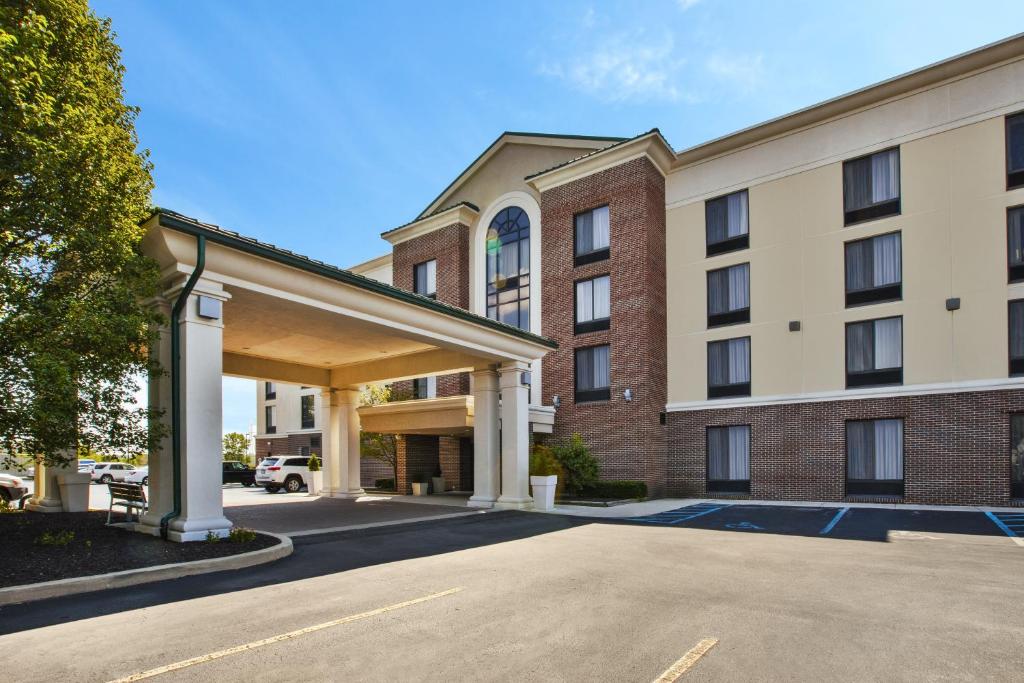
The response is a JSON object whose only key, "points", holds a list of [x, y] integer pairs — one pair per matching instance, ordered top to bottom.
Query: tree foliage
{"points": [[73, 191], [236, 446], [382, 447], [580, 466]]}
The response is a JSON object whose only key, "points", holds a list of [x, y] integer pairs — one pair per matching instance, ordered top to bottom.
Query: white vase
{"points": [[315, 484], [438, 484], [420, 488], [544, 492]]}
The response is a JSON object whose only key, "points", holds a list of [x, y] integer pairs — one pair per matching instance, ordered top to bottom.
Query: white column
{"points": [[200, 367], [515, 437], [330, 442], [341, 445], [161, 475], [486, 476], [46, 494]]}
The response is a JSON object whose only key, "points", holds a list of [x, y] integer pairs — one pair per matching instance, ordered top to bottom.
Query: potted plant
{"points": [[544, 473], [316, 478], [438, 481], [420, 487]]}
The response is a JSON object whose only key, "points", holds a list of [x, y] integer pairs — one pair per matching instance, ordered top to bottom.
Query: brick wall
{"points": [[450, 247], [627, 437], [267, 447], [956, 447], [417, 457], [456, 459]]}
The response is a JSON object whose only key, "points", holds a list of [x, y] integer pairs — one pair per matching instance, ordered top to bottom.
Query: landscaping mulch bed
{"points": [[95, 548]]}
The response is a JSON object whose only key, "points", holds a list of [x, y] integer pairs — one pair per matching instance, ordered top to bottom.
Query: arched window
{"points": [[508, 268]]}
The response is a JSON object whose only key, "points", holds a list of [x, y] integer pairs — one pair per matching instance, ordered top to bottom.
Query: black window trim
{"points": [[1015, 179], [893, 207], [729, 244], [597, 254], [1014, 273], [432, 295], [873, 295], [738, 317], [595, 325], [1016, 365], [873, 378], [741, 389], [268, 394], [590, 395], [269, 411], [725, 485], [874, 487]]}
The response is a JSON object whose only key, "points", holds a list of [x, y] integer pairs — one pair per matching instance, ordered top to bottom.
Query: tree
{"points": [[74, 189], [373, 445], [236, 446], [580, 466]]}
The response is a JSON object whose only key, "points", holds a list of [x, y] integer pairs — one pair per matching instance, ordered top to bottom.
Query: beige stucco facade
{"points": [[953, 223]]}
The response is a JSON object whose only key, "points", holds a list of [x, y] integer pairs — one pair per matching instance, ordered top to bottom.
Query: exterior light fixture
{"points": [[209, 308], [628, 394], [556, 401]]}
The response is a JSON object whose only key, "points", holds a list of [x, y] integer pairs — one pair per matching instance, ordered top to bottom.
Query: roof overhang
{"points": [[651, 145], [464, 213]]}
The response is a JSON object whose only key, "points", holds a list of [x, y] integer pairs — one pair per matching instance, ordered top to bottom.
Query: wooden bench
{"points": [[132, 497]]}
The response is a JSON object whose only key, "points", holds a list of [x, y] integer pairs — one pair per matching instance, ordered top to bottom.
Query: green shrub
{"points": [[578, 462], [314, 463], [543, 463], [615, 488], [7, 508], [241, 535], [212, 537], [58, 539]]}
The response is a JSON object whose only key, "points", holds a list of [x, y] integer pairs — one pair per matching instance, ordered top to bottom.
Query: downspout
{"points": [[176, 310]]}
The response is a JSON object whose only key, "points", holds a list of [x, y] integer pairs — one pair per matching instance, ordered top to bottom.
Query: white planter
{"points": [[315, 483], [438, 484], [420, 488], [74, 491], [544, 492]]}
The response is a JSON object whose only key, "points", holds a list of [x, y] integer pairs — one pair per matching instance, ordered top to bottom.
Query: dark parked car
{"points": [[238, 473]]}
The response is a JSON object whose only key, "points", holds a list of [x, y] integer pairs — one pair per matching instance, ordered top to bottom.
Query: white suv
{"points": [[106, 472], [288, 472]]}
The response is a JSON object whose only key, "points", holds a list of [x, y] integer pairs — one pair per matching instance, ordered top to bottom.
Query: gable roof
{"points": [[510, 137]]}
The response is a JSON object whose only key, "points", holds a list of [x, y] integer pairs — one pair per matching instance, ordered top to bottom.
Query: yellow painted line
{"points": [[278, 638], [686, 662]]}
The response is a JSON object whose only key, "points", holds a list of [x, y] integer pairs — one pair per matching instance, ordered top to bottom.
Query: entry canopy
{"points": [[290, 318]]}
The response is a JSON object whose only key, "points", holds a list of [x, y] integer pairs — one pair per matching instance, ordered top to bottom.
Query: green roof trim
{"points": [[234, 240]]}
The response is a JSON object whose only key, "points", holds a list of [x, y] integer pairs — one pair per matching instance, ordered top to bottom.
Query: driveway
{"points": [[511, 596]]}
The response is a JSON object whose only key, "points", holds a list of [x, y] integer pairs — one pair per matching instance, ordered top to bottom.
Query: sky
{"points": [[318, 126]]}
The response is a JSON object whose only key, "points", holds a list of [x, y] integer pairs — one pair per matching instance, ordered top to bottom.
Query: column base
{"points": [[348, 493], [480, 502], [505, 503], [43, 505], [186, 530]]}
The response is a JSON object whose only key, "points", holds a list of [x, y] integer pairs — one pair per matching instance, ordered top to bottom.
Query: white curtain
{"points": [[885, 176], [737, 212], [1015, 226], [602, 228], [886, 255], [508, 260], [431, 284], [739, 287], [602, 297], [584, 301], [888, 343], [860, 353], [739, 361], [602, 368], [432, 386], [860, 446], [888, 449], [739, 452], [718, 453]]}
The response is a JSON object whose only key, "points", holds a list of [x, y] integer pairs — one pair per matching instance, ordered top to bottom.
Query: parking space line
{"points": [[683, 514], [832, 524], [1005, 526], [278, 638], [686, 662]]}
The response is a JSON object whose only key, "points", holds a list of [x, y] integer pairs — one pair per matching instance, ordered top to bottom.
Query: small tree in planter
{"points": [[580, 465], [546, 475], [316, 477]]}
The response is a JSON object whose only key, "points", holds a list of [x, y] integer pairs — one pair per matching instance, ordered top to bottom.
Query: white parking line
{"points": [[278, 638], [686, 662]]}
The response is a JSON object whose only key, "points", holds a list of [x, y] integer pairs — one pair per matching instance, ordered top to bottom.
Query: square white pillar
{"points": [[515, 437], [341, 443], [161, 475], [486, 475]]}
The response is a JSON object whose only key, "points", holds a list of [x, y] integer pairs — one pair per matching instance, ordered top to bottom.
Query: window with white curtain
{"points": [[1015, 151], [871, 186], [726, 223], [593, 235], [1015, 242], [508, 268], [874, 270], [425, 278], [729, 295], [593, 304], [1017, 337], [874, 352], [729, 368], [593, 374], [424, 387], [874, 457], [729, 459]]}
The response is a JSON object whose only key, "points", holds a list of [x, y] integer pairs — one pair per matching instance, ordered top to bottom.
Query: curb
{"points": [[13, 595]]}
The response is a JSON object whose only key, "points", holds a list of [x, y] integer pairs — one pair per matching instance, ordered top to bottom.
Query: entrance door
{"points": [[1017, 455]]}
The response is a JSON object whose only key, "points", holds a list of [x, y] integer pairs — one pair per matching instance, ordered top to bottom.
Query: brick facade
{"points": [[626, 437], [956, 446], [455, 456], [417, 460]]}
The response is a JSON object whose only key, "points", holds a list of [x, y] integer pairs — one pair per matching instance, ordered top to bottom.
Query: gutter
{"points": [[179, 305]]}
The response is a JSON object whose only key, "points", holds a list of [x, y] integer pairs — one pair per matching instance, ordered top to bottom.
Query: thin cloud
{"points": [[686, 4], [745, 72]]}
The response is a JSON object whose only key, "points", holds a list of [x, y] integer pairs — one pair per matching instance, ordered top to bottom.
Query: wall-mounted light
{"points": [[953, 304], [209, 308], [525, 378], [628, 394], [556, 401]]}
